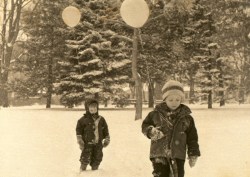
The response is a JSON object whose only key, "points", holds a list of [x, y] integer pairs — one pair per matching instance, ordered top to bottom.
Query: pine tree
{"points": [[231, 21], [233, 29], [194, 40], [159, 46], [165, 50], [98, 61]]}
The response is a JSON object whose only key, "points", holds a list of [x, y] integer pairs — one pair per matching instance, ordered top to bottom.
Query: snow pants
{"points": [[92, 154], [163, 170]]}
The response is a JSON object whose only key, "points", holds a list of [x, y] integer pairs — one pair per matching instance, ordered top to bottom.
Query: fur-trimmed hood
{"points": [[88, 102]]}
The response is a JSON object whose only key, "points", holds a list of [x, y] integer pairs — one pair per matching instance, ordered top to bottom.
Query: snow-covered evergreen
{"points": [[97, 54]]}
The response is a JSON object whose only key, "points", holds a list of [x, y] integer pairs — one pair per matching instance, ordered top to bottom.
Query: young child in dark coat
{"points": [[172, 131], [92, 135]]}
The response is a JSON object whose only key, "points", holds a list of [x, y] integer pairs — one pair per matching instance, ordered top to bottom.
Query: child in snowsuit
{"points": [[172, 131], [92, 135]]}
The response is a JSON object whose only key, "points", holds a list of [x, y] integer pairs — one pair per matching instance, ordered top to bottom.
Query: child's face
{"points": [[173, 101], [93, 108]]}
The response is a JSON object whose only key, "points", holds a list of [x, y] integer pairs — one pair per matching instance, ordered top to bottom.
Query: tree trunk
{"points": [[11, 12], [50, 72], [4, 76], [136, 77], [50, 82], [210, 85], [132, 90], [241, 90], [157, 91], [191, 92], [221, 92], [151, 94], [96, 96], [209, 99], [4, 100], [105, 103], [138, 114]]}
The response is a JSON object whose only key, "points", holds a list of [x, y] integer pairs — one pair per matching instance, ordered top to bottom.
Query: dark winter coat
{"points": [[86, 126], [181, 137]]}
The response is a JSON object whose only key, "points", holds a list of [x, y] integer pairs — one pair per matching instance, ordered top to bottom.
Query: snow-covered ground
{"points": [[42, 143]]}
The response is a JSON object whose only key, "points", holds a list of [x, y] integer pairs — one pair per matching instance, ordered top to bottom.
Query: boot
{"points": [[83, 167], [95, 167]]}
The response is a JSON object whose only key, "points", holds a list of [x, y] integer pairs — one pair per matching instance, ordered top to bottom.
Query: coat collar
{"points": [[181, 111]]}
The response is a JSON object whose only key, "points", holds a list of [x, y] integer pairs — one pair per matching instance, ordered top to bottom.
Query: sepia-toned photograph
{"points": [[124, 88]]}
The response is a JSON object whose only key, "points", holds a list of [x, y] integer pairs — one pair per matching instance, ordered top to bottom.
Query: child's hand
{"points": [[156, 134], [80, 142], [105, 142], [192, 160]]}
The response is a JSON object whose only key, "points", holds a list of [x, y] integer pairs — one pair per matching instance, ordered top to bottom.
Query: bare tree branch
{"points": [[25, 4], [153, 19], [120, 22], [236, 64]]}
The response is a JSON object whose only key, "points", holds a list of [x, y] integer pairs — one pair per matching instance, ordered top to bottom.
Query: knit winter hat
{"points": [[172, 87]]}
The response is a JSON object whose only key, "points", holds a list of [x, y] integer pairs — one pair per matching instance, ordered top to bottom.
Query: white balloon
{"points": [[134, 12], [71, 16]]}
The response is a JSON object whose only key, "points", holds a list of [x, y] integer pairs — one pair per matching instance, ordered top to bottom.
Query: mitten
{"points": [[155, 134], [80, 142], [105, 142], [168, 152], [192, 160]]}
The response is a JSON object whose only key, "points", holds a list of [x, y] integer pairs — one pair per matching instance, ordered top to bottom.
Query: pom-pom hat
{"points": [[172, 87]]}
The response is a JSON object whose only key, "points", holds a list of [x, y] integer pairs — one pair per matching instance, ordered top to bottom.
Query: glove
{"points": [[155, 134], [80, 142], [105, 142], [192, 160]]}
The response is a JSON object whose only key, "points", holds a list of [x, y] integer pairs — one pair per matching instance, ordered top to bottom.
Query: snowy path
{"points": [[42, 143]]}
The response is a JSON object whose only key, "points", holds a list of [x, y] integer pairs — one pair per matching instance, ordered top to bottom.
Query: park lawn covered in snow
{"points": [[42, 143]]}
